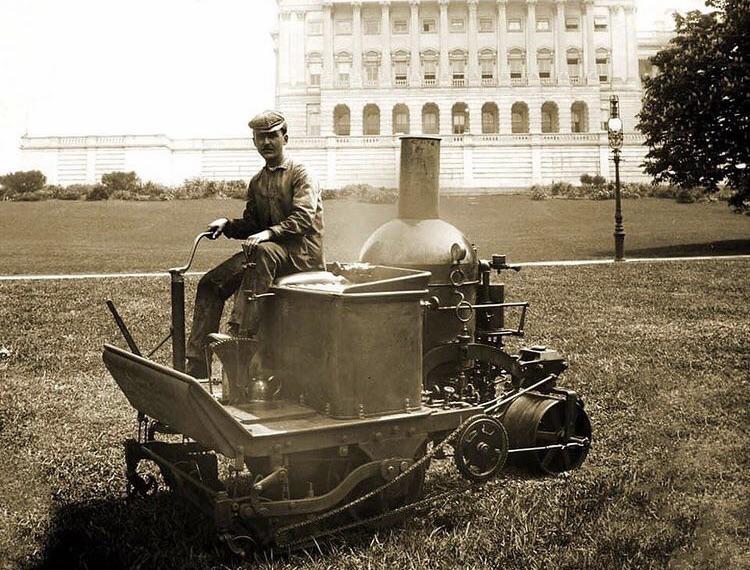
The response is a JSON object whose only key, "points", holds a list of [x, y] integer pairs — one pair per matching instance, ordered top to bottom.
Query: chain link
{"points": [[278, 534]]}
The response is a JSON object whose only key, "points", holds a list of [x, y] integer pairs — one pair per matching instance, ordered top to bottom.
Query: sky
{"points": [[184, 68]]}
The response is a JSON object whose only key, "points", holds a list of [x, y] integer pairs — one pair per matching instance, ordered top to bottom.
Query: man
{"points": [[282, 224]]}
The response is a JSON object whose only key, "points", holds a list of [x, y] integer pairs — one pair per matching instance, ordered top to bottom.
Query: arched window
{"points": [[544, 65], [574, 65], [602, 65], [517, 66], [579, 117], [460, 118], [489, 118], [519, 118], [550, 118], [400, 119], [430, 119], [341, 120], [371, 120]]}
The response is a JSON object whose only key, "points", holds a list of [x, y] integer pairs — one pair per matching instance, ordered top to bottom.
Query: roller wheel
{"points": [[540, 421], [481, 449]]}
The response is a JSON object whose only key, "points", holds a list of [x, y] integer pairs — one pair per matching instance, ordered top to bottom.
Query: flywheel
{"points": [[481, 449]]}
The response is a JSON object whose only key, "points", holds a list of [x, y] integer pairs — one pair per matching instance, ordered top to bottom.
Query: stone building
{"points": [[517, 89]]}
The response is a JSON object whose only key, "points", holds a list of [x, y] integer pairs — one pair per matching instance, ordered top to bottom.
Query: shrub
{"points": [[585, 179], [598, 180], [23, 181], [114, 181], [196, 188], [561, 189], [153, 191], [72, 192], [98, 192], [538, 192], [687, 195], [35, 196]]}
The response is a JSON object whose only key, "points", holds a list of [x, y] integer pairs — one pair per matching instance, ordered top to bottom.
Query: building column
{"points": [[443, 31], [385, 32], [618, 43], [297, 49], [589, 49], [561, 58], [415, 66], [284, 67], [531, 67], [633, 70], [473, 71], [328, 72], [503, 72], [356, 76], [535, 116], [564, 116], [475, 117], [446, 118], [356, 119], [386, 121]]}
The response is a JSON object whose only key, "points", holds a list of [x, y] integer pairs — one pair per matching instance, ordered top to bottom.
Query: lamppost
{"points": [[614, 130]]}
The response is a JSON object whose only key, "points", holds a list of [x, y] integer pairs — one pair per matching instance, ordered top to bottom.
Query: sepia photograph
{"points": [[416, 284]]}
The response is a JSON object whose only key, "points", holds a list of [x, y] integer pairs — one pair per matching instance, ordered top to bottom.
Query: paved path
{"points": [[572, 262]]}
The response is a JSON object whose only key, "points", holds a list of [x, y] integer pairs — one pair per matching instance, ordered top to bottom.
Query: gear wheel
{"points": [[481, 449]]}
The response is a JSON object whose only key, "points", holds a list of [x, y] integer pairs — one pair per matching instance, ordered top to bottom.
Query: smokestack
{"points": [[419, 191]]}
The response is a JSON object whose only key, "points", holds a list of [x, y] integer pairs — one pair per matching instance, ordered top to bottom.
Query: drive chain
{"points": [[280, 532]]}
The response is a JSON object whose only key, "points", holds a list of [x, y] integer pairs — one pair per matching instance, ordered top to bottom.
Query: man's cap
{"points": [[267, 122]]}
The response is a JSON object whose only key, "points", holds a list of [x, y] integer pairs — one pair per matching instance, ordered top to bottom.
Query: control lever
{"points": [[499, 263]]}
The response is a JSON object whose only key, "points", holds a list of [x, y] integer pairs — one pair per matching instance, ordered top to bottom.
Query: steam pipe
{"points": [[419, 190]]}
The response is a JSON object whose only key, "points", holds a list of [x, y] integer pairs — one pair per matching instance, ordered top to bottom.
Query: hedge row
{"points": [[628, 190]]}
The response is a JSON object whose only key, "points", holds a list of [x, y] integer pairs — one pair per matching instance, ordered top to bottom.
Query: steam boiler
{"points": [[359, 378]]}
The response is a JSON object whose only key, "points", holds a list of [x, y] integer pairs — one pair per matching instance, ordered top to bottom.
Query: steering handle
{"points": [[198, 238]]}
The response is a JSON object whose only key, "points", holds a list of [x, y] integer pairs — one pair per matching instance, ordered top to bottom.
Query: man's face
{"points": [[270, 145]]}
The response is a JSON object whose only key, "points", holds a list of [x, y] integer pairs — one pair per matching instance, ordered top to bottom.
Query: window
{"points": [[600, 23], [457, 24], [571, 24], [429, 25], [486, 25], [514, 25], [542, 25], [400, 26], [343, 27], [371, 27], [314, 28], [544, 63], [517, 64], [574, 65], [602, 66], [314, 67], [372, 67], [343, 68], [459, 68], [488, 68], [401, 70], [430, 70], [604, 110], [519, 115], [579, 117], [460, 118], [489, 118], [313, 119], [401, 119], [430, 119], [371, 120], [341, 121], [550, 122]]}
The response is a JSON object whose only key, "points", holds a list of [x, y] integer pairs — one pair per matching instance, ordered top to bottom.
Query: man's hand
{"points": [[217, 227], [260, 237]]}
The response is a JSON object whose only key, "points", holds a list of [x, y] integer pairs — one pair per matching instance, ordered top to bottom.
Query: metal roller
{"points": [[548, 433]]}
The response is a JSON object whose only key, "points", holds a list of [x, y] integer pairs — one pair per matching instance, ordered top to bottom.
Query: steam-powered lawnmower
{"points": [[360, 376]]}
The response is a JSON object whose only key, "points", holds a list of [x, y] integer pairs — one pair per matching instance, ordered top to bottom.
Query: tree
{"points": [[696, 111], [23, 181], [121, 181]]}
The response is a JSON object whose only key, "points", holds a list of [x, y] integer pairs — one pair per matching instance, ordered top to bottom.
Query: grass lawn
{"points": [[91, 237], [659, 352]]}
